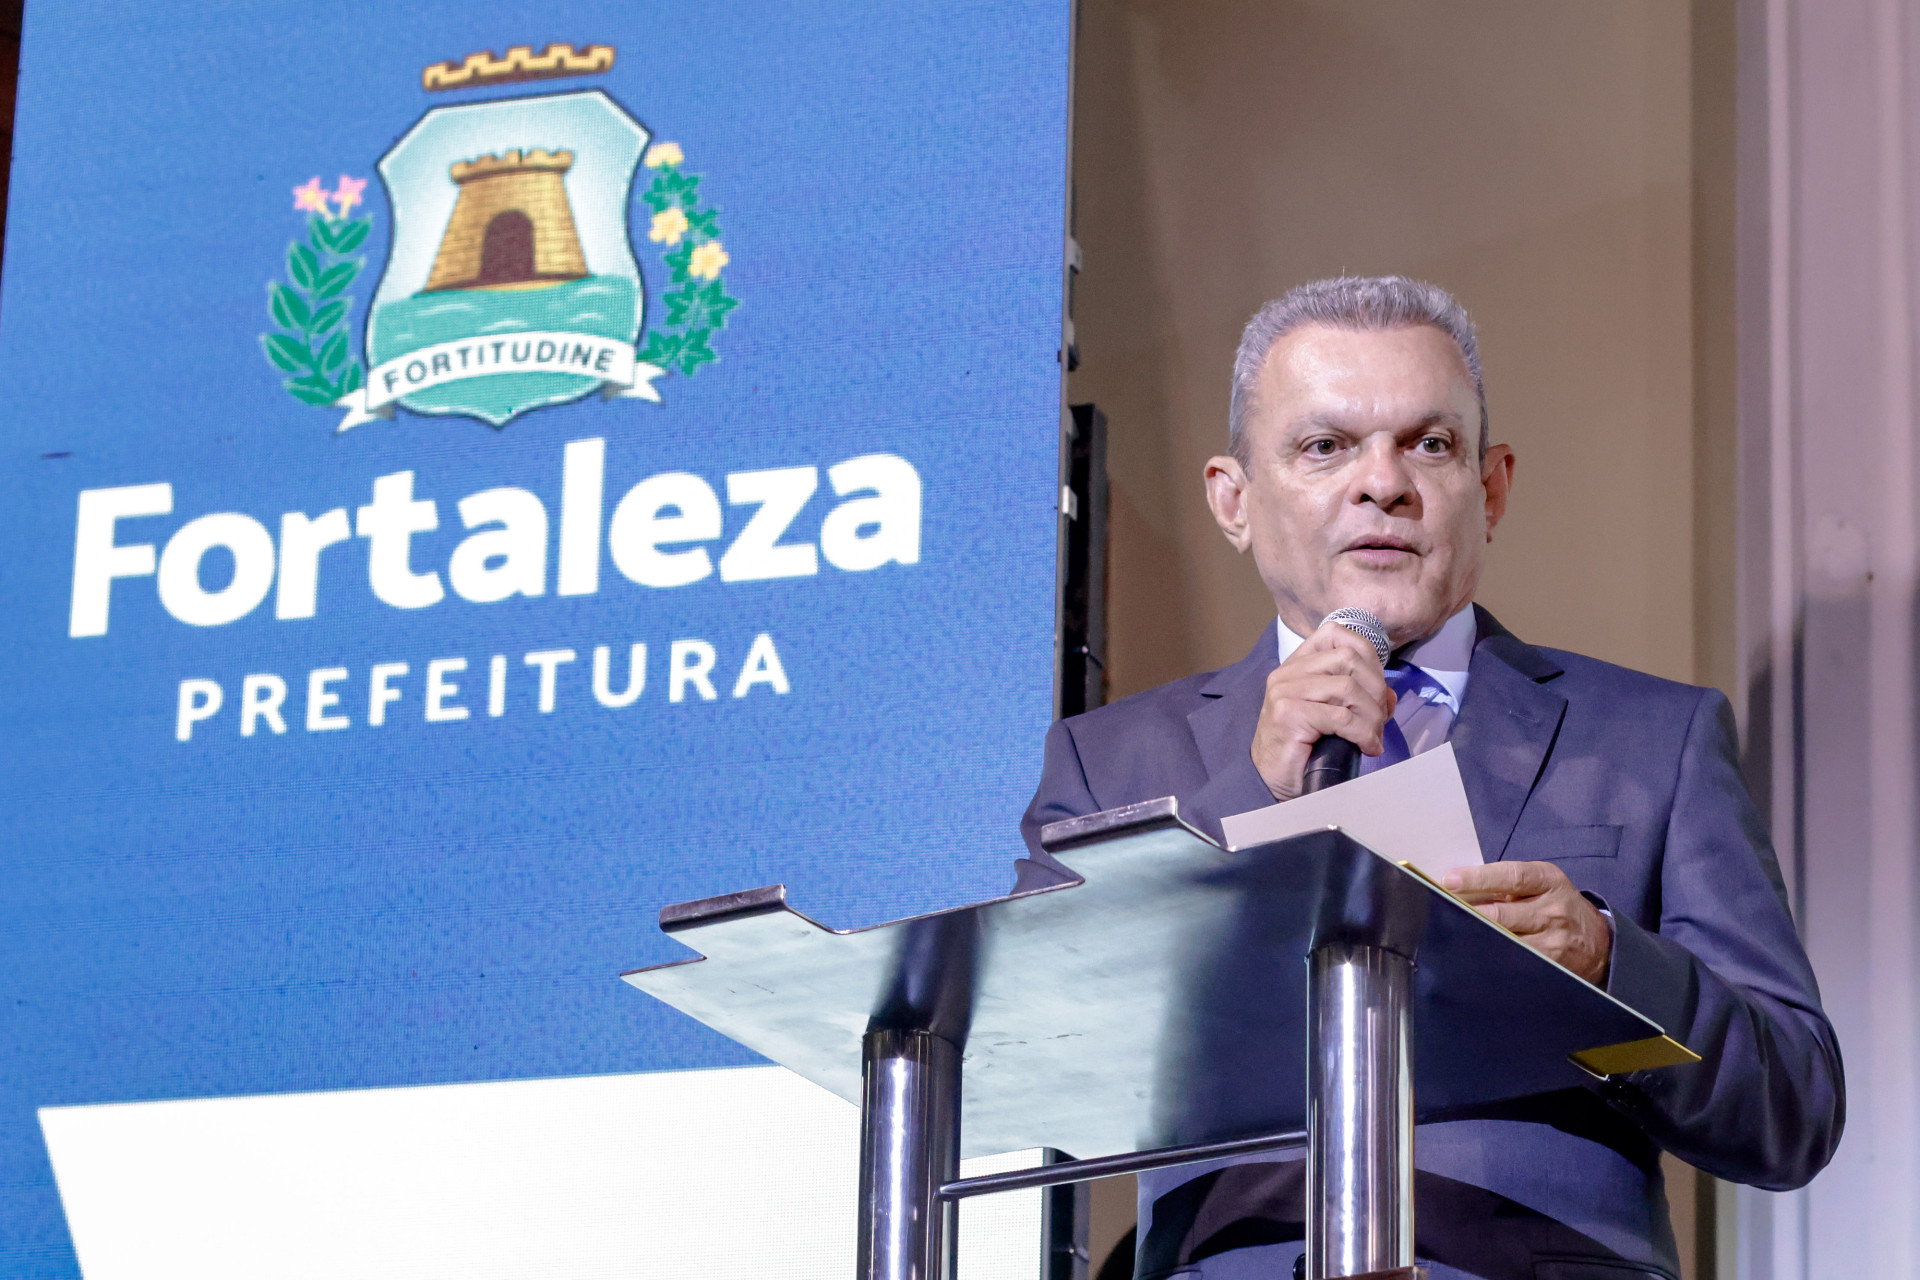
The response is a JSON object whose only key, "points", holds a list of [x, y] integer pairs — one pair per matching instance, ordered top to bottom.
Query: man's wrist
{"points": [[1599, 904]]}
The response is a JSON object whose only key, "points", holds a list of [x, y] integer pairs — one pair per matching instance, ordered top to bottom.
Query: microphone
{"points": [[1335, 760]]}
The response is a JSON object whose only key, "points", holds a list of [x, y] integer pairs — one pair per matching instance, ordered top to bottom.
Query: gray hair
{"points": [[1366, 304]]}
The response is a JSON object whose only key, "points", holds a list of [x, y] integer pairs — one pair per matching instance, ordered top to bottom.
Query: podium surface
{"points": [[1160, 1002]]}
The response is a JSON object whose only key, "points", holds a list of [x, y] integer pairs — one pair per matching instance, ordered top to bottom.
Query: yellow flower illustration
{"points": [[663, 154], [668, 226], [707, 260]]}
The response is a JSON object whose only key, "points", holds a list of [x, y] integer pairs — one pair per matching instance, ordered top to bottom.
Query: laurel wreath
{"points": [[699, 306], [312, 310]]}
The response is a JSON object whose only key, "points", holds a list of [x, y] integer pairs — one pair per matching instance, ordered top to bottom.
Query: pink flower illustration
{"points": [[348, 194], [311, 198]]}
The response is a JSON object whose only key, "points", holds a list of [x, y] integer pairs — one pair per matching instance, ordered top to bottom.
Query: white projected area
{"points": [[746, 1173]]}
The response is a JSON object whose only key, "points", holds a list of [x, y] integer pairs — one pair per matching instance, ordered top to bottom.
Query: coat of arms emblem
{"points": [[510, 283]]}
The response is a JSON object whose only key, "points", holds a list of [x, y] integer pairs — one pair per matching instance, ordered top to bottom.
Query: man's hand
{"points": [[1332, 684], [1538, 902]]}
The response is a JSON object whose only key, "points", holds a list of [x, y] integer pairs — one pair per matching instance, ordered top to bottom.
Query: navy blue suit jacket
{"points": [[1631, 784]]}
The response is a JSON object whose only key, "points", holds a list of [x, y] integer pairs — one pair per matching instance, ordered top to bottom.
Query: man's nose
{"points": [[1381, 476]]}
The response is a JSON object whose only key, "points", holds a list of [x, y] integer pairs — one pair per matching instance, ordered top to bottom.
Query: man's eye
{"points": [[1436, 445], [1321, 448]]}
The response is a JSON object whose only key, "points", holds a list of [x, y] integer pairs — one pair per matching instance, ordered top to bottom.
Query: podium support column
{"points": [[1359, 1111], [909, 1146]]}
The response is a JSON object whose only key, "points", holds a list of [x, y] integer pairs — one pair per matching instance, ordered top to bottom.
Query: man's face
{"points": [[1363, 487]]}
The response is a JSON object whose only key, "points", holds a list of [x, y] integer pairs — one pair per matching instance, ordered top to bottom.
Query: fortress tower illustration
{"points": [[512, 227]]}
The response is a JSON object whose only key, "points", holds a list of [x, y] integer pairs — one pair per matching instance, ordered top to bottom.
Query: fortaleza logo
{"points": [[511, 283], [511, 286], [665, 532]]}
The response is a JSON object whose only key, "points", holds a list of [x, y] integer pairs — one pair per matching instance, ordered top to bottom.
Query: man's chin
{"points": [[1406, 618]]}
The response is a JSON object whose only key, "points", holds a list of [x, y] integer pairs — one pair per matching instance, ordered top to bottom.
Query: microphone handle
{"points": [[1333, 761]]}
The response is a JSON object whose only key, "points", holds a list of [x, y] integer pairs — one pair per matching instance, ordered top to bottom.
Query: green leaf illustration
{"points": [[682, 186], [703, 223], [322, 234], [350, 236], [677, 261], [302, 265], [334, 279], [699, 306], [288, 308], [327, 317], [662, 349], [695, 352], [288, 353], [334, 354], [352, 381], [313, 392]]}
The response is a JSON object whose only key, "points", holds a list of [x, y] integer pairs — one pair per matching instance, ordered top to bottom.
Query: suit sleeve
{"points": [[1063, 793], [1725, 974]]}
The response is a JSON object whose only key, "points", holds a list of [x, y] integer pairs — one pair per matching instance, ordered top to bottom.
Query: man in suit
{"points": [[1618, 835]]}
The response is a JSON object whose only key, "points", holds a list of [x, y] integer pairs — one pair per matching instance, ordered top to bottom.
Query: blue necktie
{"points": [[1421, 721]]}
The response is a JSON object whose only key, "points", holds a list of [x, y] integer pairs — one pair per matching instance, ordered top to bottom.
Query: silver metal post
{"points": [[1359, 1111], [909, 1146]]}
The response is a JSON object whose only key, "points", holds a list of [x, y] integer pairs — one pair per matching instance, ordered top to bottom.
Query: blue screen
{"points": [[378, 379]]}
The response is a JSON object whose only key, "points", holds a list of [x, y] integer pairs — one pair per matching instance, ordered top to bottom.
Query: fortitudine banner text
{"points": [[546, 472]]}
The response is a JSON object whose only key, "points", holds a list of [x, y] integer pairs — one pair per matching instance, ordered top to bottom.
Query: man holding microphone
{"points": [[1619, 838]]}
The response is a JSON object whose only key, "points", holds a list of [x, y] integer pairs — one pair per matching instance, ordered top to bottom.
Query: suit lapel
{"points": [[1223, 724], [1506, 730]]}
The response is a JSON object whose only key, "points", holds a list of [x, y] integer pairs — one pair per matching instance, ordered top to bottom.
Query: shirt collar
{"points": [[1445, 655]]}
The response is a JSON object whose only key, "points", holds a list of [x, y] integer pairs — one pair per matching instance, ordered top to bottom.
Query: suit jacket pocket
{"points": [[1554, 843]]}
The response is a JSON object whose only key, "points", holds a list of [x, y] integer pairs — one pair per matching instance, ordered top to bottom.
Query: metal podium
{"points": [[1182, 1002]]}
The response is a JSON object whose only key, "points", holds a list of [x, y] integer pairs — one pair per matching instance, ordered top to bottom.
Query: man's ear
{"points": [[1496, 477], [1227, 498]]}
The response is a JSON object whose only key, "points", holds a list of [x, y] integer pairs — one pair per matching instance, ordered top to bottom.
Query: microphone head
{"points": [[1368, 627]]}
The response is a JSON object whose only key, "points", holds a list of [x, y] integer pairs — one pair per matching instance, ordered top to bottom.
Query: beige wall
{"points": [[1534, 158], [1565, 168]]}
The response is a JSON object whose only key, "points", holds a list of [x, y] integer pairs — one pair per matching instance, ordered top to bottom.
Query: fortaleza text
{"points": [[658, 536], [440, 690]]}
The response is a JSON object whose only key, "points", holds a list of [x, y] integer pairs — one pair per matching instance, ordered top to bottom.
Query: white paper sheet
{"points": [[1414, 812]]}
